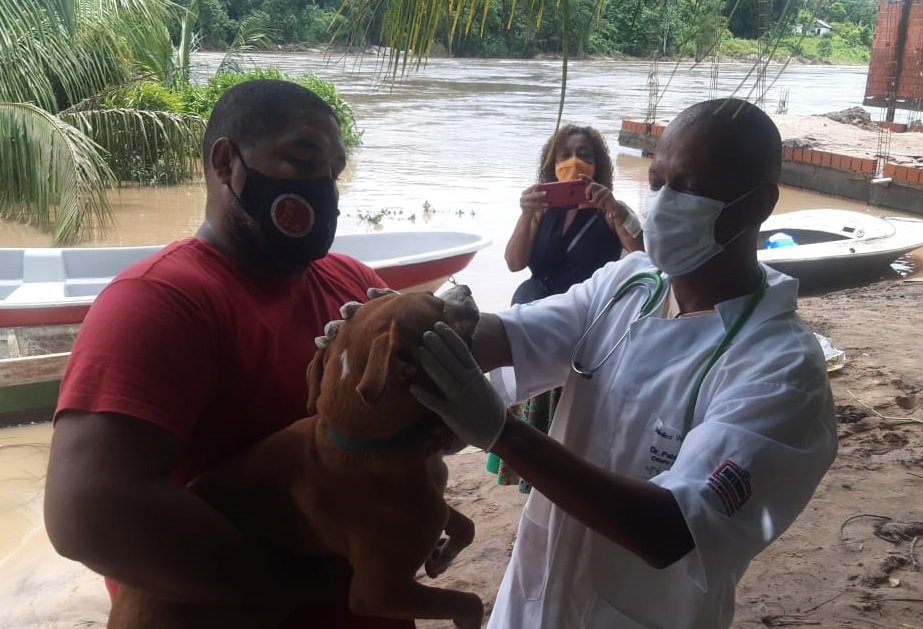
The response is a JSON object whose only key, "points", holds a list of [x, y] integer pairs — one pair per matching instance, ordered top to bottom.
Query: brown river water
{"points": [[460, 135]]}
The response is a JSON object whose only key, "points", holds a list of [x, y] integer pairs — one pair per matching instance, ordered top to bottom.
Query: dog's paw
{"points": [[439, 559], [470, 613], [474, 619]]}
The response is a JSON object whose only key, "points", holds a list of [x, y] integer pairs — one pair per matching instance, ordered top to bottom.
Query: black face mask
{"points": [[298, 216]]}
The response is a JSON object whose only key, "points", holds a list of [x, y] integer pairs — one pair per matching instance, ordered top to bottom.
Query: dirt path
{"points": [[814, 574]]}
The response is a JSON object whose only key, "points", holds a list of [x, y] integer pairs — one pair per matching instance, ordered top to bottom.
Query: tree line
{"points": [[525, 29]]}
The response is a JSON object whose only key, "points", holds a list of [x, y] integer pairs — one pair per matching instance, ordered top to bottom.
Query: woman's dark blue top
{"points": [[554, 267]]}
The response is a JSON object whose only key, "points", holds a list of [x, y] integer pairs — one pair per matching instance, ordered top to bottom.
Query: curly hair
{"points": [[600, 154]]}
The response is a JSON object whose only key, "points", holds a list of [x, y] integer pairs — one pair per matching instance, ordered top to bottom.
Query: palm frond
{"points": [[408, 27], [254, 32], [189, 40], [58, 52], [147, 147], [54, 175]]}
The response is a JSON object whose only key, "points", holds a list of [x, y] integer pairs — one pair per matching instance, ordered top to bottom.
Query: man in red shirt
{"points": [[194, 354]]}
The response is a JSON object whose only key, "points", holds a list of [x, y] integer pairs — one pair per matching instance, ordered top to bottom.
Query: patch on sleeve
{"points": [[731, 483]]}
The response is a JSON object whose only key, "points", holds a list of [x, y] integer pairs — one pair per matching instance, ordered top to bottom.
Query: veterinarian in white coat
{"points": [[685, 441]]}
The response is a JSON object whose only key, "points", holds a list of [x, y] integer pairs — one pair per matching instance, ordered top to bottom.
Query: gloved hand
{"points": [[347, 310], [468, 404]]}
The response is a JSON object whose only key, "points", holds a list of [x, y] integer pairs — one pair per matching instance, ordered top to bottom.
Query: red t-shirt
{"points": [[187, 341]]}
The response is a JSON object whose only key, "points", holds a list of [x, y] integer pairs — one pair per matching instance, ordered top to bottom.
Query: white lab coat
{"points": [[763, 436]]}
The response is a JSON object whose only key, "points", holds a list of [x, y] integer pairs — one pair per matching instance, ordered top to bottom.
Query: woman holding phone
{"points": [[564, 233]]}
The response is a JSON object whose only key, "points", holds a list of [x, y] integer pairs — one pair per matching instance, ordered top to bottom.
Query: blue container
{"points": [[779, 240]]}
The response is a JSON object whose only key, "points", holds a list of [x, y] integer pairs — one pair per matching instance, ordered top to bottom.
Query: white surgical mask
{"points": [[679, 229]]}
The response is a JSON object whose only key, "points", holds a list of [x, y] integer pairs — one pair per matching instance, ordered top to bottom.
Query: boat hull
{"points": [[837, 246], [405, 261], [833, 270], [423, 276], [57, 286], [29, 387]]}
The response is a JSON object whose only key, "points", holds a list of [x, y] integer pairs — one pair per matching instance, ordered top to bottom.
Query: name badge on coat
{"points": [[665, 442]]}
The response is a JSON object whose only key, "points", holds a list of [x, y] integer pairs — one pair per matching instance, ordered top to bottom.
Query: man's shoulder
{"points": [[186, 257], [340, 262], [343, 268], [189, 269], [617, 271]]}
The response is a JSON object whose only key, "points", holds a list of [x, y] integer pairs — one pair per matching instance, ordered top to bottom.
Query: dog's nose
{"points": [[458, 293]]}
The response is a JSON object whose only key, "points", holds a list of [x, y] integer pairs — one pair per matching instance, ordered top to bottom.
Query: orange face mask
{"points": [[571, 168]]}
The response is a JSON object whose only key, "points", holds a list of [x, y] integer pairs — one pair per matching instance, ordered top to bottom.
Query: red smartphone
{"points": [[564, 194]]}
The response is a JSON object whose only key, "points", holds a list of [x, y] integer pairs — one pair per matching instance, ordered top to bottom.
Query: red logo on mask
{"points": [[292, 215]]}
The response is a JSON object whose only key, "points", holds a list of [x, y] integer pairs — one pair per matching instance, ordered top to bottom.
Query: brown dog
{"points": [[363, 478]]}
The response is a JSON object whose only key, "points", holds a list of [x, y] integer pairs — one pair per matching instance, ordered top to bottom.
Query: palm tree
{"points": [[59, 59]]}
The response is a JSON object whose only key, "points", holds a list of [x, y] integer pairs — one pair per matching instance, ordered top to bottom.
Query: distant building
{"points": [[819, 28]]}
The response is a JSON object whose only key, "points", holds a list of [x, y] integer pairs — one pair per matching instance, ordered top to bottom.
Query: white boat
{"points": [[830, 246], [51, 286], [45, 293]]}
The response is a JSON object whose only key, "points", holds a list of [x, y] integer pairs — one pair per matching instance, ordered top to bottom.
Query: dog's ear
{"points": [[385, 361], [315, 375]]}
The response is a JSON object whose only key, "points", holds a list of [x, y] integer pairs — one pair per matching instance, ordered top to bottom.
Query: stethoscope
{"points": [[656, 288], [656, 291]]}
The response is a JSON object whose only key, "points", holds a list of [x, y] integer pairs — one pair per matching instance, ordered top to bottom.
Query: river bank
{"points": [[439, 51]]}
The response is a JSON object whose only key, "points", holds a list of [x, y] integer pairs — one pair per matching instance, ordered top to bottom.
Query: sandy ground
{"points": [[829, 135], [857, 140], [814, 575]]}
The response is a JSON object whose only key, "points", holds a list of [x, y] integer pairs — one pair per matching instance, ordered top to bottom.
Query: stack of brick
{"points": [[827, 159], [904, 174]]}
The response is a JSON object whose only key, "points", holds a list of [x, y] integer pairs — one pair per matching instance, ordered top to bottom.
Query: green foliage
{"points": [[836, 12], [864, 12], [293, 21], [745, 21], [317, 25], [216, 27], [632, 27], [700, 27], [525, 28], [508, 30], [825, 46], [736, 47], [831, 48], [146, 95], [200, 100], [75, 120], [146, 136], [145, 146], [60, 148], [53, 175]]}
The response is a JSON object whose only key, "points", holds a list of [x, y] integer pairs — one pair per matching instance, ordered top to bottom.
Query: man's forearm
{"points": [[490, 345], [638, 515], [165, 540]]}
